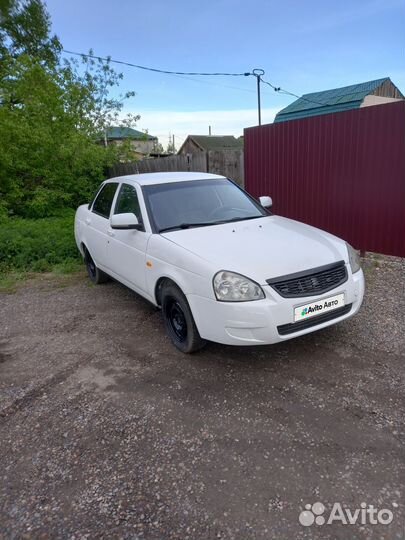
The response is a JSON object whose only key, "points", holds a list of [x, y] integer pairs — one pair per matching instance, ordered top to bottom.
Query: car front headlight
{"points": [[354, 259], [232, 287]]}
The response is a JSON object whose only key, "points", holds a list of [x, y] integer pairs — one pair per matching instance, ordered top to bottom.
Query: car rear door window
{"points": [[127, 202], [102, 204]]}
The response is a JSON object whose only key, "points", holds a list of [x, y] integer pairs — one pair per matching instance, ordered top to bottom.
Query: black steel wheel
{"points": [[176, 320], [179, 320]]}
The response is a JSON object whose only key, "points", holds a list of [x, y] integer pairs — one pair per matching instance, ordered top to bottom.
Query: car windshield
{"points": [[198, 203]]}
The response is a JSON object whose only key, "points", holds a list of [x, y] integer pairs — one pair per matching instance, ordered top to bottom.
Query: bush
{"points": [[38, 245]]}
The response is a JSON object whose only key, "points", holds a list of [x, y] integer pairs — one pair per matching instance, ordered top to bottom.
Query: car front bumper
{"points": [[256, 323]]}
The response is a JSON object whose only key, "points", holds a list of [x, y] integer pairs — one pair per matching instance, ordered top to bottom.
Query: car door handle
{"points": [[88, 221], [111, 233]]}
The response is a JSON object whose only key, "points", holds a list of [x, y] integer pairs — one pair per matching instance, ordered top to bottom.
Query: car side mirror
{"points": [[266, 201], [125, 221]]}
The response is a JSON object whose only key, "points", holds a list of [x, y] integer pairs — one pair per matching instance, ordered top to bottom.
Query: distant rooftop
{"points": [[337, 99], [128, 133], [215, 142]]}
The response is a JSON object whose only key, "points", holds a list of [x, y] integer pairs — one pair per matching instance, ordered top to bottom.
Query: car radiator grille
{"points": [[310, 282]]}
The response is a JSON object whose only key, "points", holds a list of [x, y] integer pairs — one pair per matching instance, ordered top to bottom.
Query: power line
{"points": [[108, 59], [175, 73], [193, 73], [258, 73], [211, 83], [280, 90], [286, 92]]}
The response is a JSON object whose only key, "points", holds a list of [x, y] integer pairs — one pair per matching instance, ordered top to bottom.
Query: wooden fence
{"points": [[228, 163], [163, 164]]}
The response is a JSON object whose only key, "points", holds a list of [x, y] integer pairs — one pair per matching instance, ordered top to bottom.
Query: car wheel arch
{"points": [[83, 249], [86, 250], [87, 253], [159, 287]]}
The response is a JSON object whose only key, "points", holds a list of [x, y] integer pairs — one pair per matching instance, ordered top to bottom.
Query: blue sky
{"points": [[303, 47]]}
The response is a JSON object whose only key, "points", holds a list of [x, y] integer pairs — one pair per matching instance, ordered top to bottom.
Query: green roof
{"points": [[329, 101], [127, 133], [215, 142]]}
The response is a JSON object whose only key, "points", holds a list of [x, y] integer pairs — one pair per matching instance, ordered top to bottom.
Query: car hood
{"points": [[261, 248]]}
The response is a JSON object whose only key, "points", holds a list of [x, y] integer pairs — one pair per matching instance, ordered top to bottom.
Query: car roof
{"points": [[165, 177]]}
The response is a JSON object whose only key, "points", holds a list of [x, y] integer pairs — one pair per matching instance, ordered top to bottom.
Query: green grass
{"points": [[30, 246], [68, 267], [10, 281]]}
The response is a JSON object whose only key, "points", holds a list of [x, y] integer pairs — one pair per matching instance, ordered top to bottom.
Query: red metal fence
{"points": [[342, 172]]}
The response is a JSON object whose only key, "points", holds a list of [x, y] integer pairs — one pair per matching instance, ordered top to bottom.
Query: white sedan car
{"points": [[216, 261]]}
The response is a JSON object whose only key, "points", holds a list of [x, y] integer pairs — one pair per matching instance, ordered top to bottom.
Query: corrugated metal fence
{"points": [[342, 172]]}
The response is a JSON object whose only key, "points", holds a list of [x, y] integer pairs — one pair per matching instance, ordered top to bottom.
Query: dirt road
{"points": [[108, 432]]}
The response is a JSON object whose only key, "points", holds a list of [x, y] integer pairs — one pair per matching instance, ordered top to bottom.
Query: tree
{"points": [[25, 29], [53, 114], [158, 148], [171, 148]]}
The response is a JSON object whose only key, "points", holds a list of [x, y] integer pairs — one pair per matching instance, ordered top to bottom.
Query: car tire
{"points": [[96, 275], [179, 321]]}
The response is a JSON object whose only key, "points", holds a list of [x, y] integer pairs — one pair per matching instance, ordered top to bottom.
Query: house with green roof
{"points": [[365, 94], [142, 143]]}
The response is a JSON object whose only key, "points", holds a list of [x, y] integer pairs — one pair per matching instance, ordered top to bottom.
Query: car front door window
{"points": [[127, 202], [102, 204]]}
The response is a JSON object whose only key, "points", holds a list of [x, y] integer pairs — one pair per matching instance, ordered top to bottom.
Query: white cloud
{"points": [[181, 124]]}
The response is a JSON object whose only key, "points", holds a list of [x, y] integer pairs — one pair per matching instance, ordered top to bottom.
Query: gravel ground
{"points": [[108, 432]]}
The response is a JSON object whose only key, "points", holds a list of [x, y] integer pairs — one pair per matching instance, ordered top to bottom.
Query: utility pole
{"points": [[258, 74], [174, 148]]}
